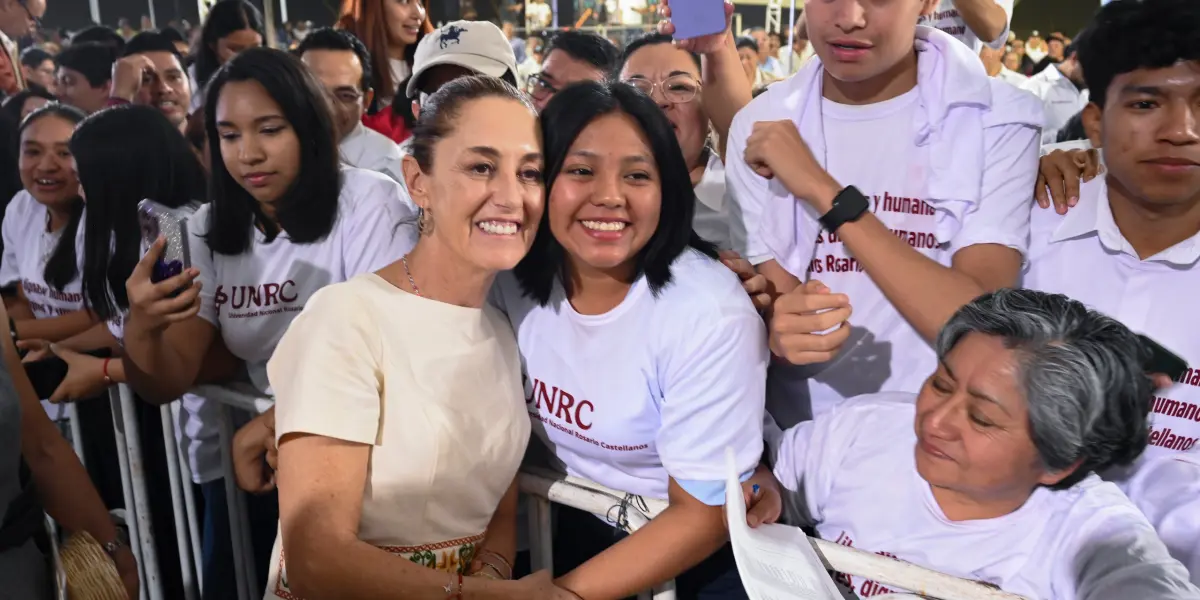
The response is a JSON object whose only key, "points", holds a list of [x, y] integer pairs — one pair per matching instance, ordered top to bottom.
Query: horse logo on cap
{"points": [[452, 34]]}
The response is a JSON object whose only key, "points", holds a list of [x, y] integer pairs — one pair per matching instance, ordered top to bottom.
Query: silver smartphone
{"points": [[157, 220]]}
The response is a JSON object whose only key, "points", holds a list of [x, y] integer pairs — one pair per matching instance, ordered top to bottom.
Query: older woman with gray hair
{"points": [[988, 473]]}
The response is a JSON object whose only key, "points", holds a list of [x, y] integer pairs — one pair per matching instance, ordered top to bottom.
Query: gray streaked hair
{"points": [[1088, 394]]}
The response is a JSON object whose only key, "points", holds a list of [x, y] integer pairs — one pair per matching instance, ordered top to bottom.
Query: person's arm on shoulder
{"points": [[987, 19], [53, 329], [168, 332], [332, 350], [714, 389], [62, 483]]}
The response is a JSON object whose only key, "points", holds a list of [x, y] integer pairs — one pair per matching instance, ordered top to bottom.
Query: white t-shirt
{"points": [[538, 15], [948, 19], [1011, 77], [1061, 100], [873, 148], [368, 149], [718, 218], [27, 247], [1084, 255], [253, 297], [655, 387], [855, 470]]}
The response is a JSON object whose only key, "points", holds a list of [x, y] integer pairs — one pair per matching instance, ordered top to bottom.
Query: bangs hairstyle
{"points": [[224, 18], [367, 20], [1127, 36], [650, 39], [15, 103], [441, 111], [571, 111], [124, 155], [308, 209], [62, 267]]}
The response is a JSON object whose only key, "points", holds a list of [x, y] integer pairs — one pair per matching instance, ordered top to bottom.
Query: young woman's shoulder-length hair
{"points": [[570, 112], [124, 155], [309, 208]]}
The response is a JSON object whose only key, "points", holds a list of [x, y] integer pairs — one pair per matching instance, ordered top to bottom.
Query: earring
{"points": [[424, 221]]}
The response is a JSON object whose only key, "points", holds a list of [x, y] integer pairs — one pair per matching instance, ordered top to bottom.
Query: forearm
{"points": [[985, 18], [725, 91], [925, 293], [18, 308], [57, 328], [95, 337], [155, 370], [65, 489], [501, 535], [676, 540]]}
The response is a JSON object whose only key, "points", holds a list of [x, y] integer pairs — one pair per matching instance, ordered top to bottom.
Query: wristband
{"points": [[12, 329], [107, 380]]}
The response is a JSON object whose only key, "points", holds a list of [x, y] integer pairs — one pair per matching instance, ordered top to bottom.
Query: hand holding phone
{"points": [[171, 224], [154, 306]]}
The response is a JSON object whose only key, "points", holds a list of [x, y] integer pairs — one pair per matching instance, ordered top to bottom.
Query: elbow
{"points": [[307, 572]]}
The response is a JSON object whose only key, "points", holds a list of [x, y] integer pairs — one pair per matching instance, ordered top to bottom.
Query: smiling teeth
{"points": [[604, 225], [499, 227]]}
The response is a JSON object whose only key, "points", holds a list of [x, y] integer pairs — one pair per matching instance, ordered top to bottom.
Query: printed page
{"points": [[776, 562]]}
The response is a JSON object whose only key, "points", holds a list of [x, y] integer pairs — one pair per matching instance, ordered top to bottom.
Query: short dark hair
{"points": [[224, 18], [99, 34], [172, 35], [1127, 36], [328, 38], [653, 38], [151, 41], [746, 41], [588, 47], [33, 57], [92, 60], [15, 103], [441, 110], [571, 111], [124, 155], [309, 207], [62, 267]]}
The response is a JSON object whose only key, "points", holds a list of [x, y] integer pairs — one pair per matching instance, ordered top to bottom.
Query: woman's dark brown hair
{"points": [[367, 21]]}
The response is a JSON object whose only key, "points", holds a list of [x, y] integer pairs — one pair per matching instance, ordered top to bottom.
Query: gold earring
{"points": [[424, 221]]}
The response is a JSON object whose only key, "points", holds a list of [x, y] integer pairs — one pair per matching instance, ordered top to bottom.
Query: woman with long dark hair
{"points": [[230, 27], [391, 30], [41, 232], [644, 357]]}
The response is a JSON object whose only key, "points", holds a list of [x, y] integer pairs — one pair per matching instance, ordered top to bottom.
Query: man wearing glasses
{"points": [[18, 19], [571, 57]]}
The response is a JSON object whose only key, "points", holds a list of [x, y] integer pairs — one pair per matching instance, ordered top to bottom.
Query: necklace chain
{"points": [[411, 282]]}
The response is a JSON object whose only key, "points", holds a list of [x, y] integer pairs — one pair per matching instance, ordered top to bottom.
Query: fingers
{"points": [[1091, 164], [1040, 193], [145, 266], [171, 285], [799, 301], [185, 302], [786, 323], [809, 348], [1161, 381], [61, 394], [765, 510]]}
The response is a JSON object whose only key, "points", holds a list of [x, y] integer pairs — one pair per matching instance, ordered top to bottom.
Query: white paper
{"points": [[776, 562]]}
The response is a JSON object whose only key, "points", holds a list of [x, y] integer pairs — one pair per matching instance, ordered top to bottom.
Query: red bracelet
{"points": [[108, 380], [460, 581]]}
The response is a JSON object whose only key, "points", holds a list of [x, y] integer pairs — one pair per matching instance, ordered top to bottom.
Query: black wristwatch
{"points": [[849, 205]]}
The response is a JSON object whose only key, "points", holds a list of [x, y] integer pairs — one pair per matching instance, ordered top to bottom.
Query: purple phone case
{"points": [[695, 18]]}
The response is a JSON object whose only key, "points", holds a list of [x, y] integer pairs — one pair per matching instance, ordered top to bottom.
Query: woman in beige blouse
{"points": [[400, 412]]}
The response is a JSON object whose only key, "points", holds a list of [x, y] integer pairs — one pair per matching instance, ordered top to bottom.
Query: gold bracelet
{"points": [[502, 560], [488, 565]]}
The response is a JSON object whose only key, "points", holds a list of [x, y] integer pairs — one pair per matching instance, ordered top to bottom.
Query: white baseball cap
{"points": [[476, 45]]}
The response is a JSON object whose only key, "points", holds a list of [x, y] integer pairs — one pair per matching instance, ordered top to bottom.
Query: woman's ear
{"points": [[414, 178]]}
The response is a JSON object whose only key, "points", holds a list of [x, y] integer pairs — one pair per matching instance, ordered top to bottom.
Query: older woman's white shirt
{"points": [[855, 471]]}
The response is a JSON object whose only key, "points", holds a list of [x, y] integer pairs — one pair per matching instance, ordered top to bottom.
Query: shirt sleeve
{"points": [[1002, 39], [1009, 174], [747, 189], [382, 227], [202, 260], [10, 269], [325, 371], [714, 396], [1166, 488], [1120, 558]]}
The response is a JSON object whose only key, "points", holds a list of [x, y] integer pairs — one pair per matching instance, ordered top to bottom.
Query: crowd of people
{"points": [[928, 284]]}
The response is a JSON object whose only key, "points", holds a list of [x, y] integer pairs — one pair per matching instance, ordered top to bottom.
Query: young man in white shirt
{"points": [[977, 23], [343, 65], [1062, 89], [944, 157], [1130, 246]]}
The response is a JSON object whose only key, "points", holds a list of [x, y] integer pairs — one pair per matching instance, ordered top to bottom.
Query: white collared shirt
{"points": [[1009, 76], [1060, 98], [365, 148], [1084, 255]]}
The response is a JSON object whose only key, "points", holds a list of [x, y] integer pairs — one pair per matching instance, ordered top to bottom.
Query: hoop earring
{"points": [[424, 221]]}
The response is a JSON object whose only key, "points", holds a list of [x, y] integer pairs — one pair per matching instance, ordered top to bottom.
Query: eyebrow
{"points": [[1149, 90], [257, 121], [494, 154], [632, 158], [974, 393]]}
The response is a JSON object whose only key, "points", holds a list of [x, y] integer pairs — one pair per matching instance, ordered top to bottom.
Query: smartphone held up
{"points": [[697, 18], [171, 224]]}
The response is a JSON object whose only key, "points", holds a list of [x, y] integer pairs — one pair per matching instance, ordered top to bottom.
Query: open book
{"points": [[776, 562]]}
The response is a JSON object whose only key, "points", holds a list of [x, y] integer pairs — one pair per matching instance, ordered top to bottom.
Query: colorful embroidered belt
{"points": [[453, 556]]}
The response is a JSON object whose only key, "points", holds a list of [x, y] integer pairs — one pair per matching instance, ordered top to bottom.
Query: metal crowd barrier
{"points": [[542, 487]]}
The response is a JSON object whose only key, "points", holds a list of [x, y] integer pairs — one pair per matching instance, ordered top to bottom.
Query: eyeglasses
{"points": [[540, 89], [677, 89]]}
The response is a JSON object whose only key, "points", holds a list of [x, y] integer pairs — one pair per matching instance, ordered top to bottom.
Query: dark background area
{"points": [[1067, 16]]}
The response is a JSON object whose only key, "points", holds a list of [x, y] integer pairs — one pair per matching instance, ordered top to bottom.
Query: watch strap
{"points": [[849, 205]]}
